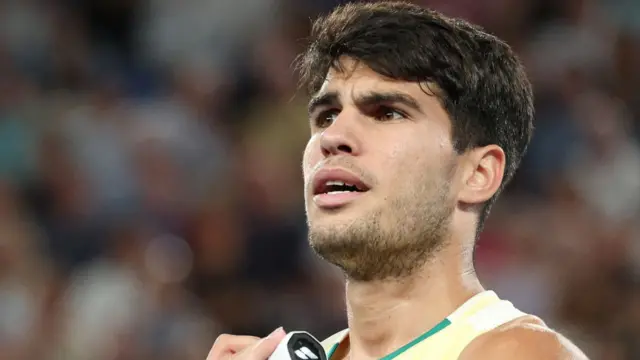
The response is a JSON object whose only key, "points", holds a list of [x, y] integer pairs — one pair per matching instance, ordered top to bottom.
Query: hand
{"points": [[235, 347]]}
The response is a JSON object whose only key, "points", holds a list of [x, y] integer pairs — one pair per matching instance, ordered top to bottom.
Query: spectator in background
{"points": [[608, 147]]}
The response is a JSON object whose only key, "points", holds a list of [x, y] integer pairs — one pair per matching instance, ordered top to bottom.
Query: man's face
{"points": [[389, 143]]}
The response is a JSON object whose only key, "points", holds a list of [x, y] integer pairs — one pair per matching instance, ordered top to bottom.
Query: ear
{"points": [[482, 174]]}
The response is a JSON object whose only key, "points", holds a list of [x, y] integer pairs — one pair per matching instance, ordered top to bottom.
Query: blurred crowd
{"points": [[150, 182]]}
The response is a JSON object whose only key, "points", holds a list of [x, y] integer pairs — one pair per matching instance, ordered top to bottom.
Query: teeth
{"points": [[334, 183], [337, 183], [338, 192]]}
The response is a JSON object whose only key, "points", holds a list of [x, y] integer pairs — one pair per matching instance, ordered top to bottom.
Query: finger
{"points": [[226, 345], [266, 346]]}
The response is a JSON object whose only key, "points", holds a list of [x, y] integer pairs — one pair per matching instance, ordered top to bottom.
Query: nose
{"points": [[340, 138]]}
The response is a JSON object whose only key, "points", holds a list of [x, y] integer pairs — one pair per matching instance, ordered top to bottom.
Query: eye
{"points": [[385, 113], [325, 118]]}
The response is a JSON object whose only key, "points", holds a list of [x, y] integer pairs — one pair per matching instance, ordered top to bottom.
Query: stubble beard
{"points": [[392, 242]]}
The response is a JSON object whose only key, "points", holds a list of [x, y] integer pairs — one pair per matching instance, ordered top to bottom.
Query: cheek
{"points": [[312, 155], [403, 156], [412, 159]]}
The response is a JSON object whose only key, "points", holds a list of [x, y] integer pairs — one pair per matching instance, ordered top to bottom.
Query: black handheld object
{"points": [[299, 345]]}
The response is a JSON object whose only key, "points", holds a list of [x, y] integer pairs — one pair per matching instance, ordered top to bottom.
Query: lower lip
{"points": [[335, 200]]}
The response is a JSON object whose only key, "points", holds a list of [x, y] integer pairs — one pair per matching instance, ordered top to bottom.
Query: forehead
{"points": [[352, 73], [353, 78]]}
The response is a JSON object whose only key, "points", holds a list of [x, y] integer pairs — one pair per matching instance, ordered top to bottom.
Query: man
{"points": [[418, 122]]}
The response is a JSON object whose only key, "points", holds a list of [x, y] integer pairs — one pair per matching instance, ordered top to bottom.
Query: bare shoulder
{"points": [[527, 338]]}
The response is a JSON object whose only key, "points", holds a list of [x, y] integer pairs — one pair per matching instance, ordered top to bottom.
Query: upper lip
{"points": [[336, 174]]}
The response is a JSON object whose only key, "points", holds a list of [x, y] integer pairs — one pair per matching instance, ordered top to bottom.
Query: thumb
{"points": [[268, 345]]}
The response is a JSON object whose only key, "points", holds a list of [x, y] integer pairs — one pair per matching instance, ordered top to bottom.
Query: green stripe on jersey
{"points": [[436, 329]]}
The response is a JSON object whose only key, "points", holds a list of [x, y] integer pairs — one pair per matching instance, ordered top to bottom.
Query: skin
{"points": [[408, 241], [237, 347]]}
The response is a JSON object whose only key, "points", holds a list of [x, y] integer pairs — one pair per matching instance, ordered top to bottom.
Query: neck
{"points": [[385, 315]]}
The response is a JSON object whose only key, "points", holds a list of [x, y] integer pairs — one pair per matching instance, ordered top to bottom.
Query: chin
{"points": [[333, 217], [339, 226], [329, 240]]}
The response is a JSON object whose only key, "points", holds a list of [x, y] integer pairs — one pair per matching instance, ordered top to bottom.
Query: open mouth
{"points": [[338, 187], [334, 188]]}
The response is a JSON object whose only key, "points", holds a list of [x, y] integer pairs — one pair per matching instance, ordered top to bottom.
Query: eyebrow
{"points": [[325, 99], [365, 100]]}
